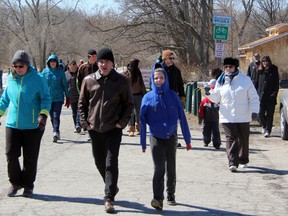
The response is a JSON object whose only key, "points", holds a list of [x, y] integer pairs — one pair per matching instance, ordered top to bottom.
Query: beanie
{"points": [[92, 52], [106, 54], [166, 54], [21, 56], [231, 61]]}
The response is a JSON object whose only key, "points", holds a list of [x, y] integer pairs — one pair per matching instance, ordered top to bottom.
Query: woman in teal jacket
{"points": [[58, 86], [28, 101]]}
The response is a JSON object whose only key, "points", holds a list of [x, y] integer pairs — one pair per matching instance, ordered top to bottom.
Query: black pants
{"points": [[266, 114], [211, 129], [29, 142], [237, 142], [105, 148], [164, 158]]}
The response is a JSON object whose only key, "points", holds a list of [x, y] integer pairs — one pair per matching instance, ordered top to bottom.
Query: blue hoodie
{"points": [[56, 80], [25, 97], [160, 109]]}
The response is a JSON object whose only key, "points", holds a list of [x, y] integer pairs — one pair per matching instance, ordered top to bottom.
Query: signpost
{"points": [[222, 20], [221, 29], [220, 32], [219, 49]]}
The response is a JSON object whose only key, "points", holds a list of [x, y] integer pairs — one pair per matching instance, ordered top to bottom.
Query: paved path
{"points": [[69, 184]]}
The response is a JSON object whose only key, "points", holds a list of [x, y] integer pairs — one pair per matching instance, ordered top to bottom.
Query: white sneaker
{"points": [[263, 130], [267, 134], [244, 165], [233, 168]]}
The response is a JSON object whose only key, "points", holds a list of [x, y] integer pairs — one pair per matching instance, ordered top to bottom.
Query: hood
{"points": [[55, 57], [165, 87]]}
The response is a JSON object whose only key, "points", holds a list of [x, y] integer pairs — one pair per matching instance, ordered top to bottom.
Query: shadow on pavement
{"points": [[264, 170], [54, 198], [135, 207], [140, 208]]}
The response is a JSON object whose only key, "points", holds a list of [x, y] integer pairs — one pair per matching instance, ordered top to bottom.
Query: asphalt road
{"points": [[69, 184]]}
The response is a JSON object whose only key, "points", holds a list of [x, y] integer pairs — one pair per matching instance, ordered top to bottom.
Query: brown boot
{"points": [[137, 129], [131, 131]]}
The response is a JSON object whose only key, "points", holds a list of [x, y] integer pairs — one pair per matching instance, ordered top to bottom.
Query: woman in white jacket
{"points": [[239, 103]]}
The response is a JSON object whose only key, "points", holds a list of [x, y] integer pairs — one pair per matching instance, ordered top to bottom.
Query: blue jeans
{"points": [[55, 113], [75, 114]]}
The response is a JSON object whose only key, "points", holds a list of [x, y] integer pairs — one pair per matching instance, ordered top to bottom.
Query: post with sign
{"points": [[221, 30]]}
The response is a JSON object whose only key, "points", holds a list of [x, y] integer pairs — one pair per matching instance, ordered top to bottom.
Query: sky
{"points": [[106, 3], [89, 4]]}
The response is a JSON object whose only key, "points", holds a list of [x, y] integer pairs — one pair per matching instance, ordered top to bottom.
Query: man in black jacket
{"points": [[252, 71], [174, 76]]}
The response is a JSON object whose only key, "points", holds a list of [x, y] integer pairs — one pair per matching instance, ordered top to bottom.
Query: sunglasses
{"points": [[171, 58], [18, 66], [228, 66]]}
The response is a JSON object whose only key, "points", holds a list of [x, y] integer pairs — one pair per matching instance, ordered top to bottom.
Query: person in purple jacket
{"points": [[161, 109]]}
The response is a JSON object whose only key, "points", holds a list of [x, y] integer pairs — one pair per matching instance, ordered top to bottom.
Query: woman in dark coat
{"points": [[268, 87]]}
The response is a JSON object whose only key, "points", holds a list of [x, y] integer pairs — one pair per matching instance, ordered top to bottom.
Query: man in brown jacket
{"points": [[105, 107]]}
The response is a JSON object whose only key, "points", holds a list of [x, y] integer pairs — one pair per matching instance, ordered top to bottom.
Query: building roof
{"points": [[273, 35]]}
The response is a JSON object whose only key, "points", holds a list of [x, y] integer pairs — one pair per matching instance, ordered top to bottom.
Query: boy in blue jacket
{"points": [[160, 109]]}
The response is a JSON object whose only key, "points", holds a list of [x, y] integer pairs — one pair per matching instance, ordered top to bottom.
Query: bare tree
{"points": [[267, 13], [35, 25]]}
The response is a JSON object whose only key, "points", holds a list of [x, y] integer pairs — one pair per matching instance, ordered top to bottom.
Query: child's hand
{"points": [[188, 147]]}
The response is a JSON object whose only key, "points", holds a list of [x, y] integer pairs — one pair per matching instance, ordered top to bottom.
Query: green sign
{"points": [[220, 32]]}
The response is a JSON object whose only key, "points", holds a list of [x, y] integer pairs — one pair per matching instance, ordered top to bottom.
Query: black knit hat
{"points": [[91, 52], [106, 54], [21, 56], [231, 61]]}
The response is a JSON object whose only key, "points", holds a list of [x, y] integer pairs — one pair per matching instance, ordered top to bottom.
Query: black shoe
{"points": [[179, 145], [13, 190], [27, 193], [171, 199], [157, 204]]}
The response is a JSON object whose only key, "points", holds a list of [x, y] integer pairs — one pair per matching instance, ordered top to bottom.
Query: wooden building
{"points": [[275, 45]]}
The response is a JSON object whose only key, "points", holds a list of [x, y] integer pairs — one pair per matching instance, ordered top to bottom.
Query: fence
{"points": [[193, 98]]}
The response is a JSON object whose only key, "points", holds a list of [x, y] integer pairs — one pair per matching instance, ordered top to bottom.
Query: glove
{"points": [[207, 89], [183, 101], [68, 102], [254, 116], [42, 119], [200, 120], [188, 147], [143, 150]]}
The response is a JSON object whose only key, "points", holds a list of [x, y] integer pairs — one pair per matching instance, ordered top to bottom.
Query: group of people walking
{"points": [[104, 102]]}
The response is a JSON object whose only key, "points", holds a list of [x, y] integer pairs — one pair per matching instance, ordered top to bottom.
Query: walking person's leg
{"points": [[262, 117], [269, 117], [56, 120], [206, 131], [244, 133], [216, 139], [31, 147], [171, 147], [232, 149], [99, 151], [13, 152], [159, 157]]}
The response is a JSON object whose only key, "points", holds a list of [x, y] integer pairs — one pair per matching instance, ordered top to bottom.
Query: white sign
{"points": [[222, 20], [219, 49]]}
